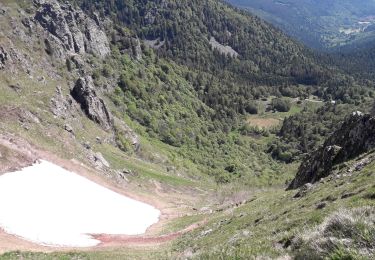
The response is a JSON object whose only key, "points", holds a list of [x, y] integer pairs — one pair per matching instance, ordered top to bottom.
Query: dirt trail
{"points": [[122, 240]]}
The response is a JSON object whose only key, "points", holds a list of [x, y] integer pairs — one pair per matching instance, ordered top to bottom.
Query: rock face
{"points": [[71, 28], [3, 58], [61, 106], [94, 107], [355, 137], [99, 161]]}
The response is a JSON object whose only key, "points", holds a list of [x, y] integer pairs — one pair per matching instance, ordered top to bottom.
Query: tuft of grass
{"points": [[345, 234]]}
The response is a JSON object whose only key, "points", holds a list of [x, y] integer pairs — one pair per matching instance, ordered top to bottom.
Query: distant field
{"points": [[269, 119], [263, 122]]}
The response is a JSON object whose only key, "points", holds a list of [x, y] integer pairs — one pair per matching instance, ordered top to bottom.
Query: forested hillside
{"points": [[334, 25], [264, 55], [265, 58], [359, 62], [200, 68]]}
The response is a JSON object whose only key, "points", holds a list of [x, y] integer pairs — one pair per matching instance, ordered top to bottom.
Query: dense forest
{"points": [[266, 57], [360, 63]]}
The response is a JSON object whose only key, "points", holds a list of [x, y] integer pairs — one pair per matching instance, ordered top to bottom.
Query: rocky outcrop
{"points": [[71, 28], [96, 40], [3, 58], [61, 106], [93, 106], [355, 137], [98, 161]]}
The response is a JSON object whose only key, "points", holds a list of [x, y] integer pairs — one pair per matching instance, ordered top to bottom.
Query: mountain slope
{"points": [[317, 23], [186, 28], [266, 57], [360, 62], [115, 79], [116, 94]]}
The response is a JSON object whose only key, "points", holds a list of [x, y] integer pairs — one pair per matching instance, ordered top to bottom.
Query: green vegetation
{"points": [[319, 24], [269, 63], [360, 63], [161, 98], [196, 99], [280, 105], [303, 132], [270, 223]]}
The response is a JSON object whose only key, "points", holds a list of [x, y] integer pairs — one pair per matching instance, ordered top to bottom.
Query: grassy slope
{"points": [[273, 217], [262, 227]]}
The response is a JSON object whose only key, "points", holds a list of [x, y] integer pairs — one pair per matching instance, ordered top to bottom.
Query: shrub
{"points": [[107, 71], [281, 105], [251, 108], [123, 143]]}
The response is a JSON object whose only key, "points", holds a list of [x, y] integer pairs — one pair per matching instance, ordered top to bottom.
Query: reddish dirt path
{"points": [[24, 154], [121, 240]]}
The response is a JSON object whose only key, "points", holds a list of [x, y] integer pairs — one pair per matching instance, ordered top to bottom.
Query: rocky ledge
{"points": [[70, 28], [94, 107], [355, 137]]}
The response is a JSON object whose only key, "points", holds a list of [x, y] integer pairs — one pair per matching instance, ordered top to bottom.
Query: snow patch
{"points": [[49, 205]]}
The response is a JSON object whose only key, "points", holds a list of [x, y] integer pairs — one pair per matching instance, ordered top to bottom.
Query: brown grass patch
{"points": [[263, 122]]}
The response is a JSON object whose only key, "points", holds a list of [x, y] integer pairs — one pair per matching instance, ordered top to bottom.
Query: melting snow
{"points": [[51, 206]]}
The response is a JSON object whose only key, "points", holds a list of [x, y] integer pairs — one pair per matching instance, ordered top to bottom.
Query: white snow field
{"points": [[51, 206]]}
